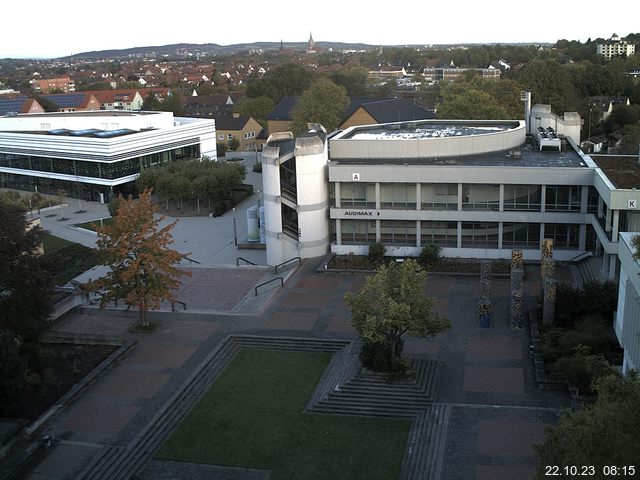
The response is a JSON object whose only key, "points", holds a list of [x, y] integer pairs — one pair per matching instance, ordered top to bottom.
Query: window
{"points": [[221, 136], [230, 136], [358, 195], [398, 195], [439, 196], [480, 197], [522, 197], [563, 198], [358, 231], [398, 232], [443, 234], [479, 235], [521, 235], [565, 237]]}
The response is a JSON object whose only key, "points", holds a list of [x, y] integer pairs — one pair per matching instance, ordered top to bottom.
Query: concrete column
{"points": [[336, 192], [377, 195], [418, 196], [501, 199], [543, 199], [459, 202], [584, 203], [600, 205], [607, 222], [616, 224], [338, 231], [378, 231], [500, 233], [459, 235], [541, 235], [582, 237], [418, 239], [613, 259], [605, 262]]}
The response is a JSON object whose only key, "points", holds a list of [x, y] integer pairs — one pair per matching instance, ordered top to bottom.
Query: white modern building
{"points": [[615, 47], [95, 154], [627, 319]]}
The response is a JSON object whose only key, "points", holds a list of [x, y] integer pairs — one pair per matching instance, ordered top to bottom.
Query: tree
{"points": [[288, 79], [353, 79], [549, 84], [476, 98], [324, 102], [150, 103], [173, 103], [258, 108], [233, 144], [142, 266], [25, 284], [392, 303], [603, 434]]}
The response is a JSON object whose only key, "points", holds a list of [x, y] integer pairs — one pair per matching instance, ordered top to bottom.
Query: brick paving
{"points": [[497, 411]]}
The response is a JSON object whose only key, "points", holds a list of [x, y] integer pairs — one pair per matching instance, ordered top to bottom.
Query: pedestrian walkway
{"points": [[491, 412]]}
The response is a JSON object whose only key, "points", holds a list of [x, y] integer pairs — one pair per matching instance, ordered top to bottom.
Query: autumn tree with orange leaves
{"points": [[143, 269]]}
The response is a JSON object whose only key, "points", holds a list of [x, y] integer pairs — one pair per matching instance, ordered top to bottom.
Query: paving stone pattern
{"points": [[482, 422]]}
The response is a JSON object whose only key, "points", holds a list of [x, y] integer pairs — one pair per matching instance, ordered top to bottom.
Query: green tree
{"points": [[288, 79], [353, 79], [549, 84], [324, 102], [151, 103], [173, 103], [258, 108], [631, 140], [233, 144], [143, 268], [25, 284], [392, 303], [602, 434]]}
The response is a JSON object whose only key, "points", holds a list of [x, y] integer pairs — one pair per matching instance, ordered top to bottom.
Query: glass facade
{"points": [[358, 195], [398, 195], [439, 196], [480, 197], [522, 197], [563, 198], [358, 232], [398, 232], [443, 234], [479, 235], [521, 235], [565, 237]]}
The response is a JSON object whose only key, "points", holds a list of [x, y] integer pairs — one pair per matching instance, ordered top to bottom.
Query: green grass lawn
{"points": [[93, 225], [67, 259], [253, 417]]}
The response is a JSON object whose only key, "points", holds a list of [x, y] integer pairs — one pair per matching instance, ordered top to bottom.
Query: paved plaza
{"points": [[487, 381], [497, 411]]}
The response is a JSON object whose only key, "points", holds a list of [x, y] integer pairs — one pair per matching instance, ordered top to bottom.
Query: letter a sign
{"points": [[355, 177]]}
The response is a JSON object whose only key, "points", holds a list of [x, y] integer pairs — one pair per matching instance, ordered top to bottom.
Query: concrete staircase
{"points": [[590, 270], [369, 393], [424, 455]]}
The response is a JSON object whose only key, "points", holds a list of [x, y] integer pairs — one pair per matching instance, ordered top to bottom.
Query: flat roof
{"points": [[89, 113], [421, 129], [526, 156], [622, 170]]}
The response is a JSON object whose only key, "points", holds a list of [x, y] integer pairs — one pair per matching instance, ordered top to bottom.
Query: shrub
{"points": [[233, 144], [221, 149], [257, 167], [114, 205], [376, 253], [430, 255], [378, 356]]}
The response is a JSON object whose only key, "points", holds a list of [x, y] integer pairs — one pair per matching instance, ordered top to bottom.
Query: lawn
{"points": [[93, 225], [67, 259], [253, 417]]}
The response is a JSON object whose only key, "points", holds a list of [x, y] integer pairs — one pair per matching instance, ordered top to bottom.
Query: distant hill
{"points": [[182, 49]]}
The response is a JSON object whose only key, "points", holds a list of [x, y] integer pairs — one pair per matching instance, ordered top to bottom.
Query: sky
{"points": [[46, 30]]}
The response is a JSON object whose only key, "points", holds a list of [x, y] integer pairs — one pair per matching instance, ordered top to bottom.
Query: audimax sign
{"points": [[361, 213]]}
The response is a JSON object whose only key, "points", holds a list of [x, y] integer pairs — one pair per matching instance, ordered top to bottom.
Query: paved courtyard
{"points": [[497, 411]]}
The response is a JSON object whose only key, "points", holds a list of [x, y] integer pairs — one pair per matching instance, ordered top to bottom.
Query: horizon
{"points": [[489, 22]]}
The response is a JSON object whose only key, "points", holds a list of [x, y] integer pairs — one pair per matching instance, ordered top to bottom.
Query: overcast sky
{"points": [[45, 29]]}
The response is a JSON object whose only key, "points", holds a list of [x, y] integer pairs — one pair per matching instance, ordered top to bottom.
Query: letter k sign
{"points": [[632, 204]]}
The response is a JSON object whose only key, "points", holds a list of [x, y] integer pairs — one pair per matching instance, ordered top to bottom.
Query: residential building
{"points": [[615, 47], [453, 73], [49, 85], [122, 99], [73, 102], [19, 104], [604, 105], [210, 106], [361, 111], [244, 129], [95, 154]]}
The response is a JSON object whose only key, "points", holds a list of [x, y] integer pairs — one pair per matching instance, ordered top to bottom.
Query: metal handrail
{"points": [[581, 256], [191, 259], [287, 261], [249, 262], [266, 283], [173, 305]]}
